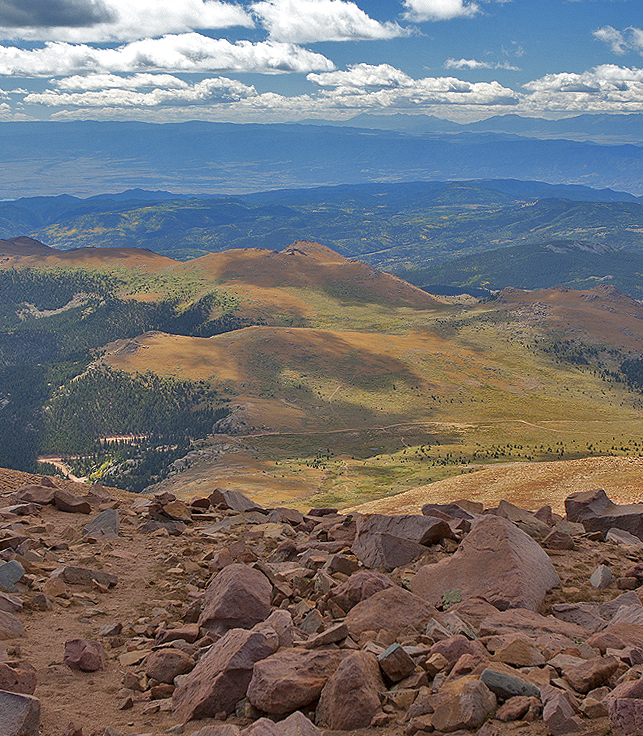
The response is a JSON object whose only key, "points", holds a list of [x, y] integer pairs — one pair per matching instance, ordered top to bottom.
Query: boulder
{"points": [[41, 495], [234, 500], [66, 501], [598, 513], [523, 519], [106, 524], [386, 542], [497, 562], [10, 573], [85, 576], [359, 586], [237, 597], [393, 609], [529, 623], [10, 627], [84, 655], [395, 663], [165, 664], [591, 673], [222, 675], [18, 677], [291, 679], [351, 697], [465, 703], [625, 708], [558, 712], [19, 714], [298, 725]]}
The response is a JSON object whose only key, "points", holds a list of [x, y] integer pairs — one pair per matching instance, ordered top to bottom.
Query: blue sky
{"points": [[287, 60]]}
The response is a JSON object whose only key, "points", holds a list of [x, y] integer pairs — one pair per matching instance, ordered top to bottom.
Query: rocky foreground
{"points": [[136, 615]]}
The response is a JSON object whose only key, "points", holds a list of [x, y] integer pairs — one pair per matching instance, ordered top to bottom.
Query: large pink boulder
{"points": [[497, 562], [238, 597], [393, 609], [221, 677], [291, 679], [351, 697]]}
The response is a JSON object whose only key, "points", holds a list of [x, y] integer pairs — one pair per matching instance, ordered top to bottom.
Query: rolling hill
{"points": [[577, 264], [300, 373]]}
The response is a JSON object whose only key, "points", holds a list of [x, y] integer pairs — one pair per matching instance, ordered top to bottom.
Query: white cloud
{"points": [[422, 10], [116, 20], [310, 21], [630, 39], [188, 52], [473, 64], [364, 76], [112, 81], [383, 86], [606, 88], [208, 91]]}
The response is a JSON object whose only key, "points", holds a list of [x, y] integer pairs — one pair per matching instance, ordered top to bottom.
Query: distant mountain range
{"points": [[601, 128], [85, 158], [389, 225]]}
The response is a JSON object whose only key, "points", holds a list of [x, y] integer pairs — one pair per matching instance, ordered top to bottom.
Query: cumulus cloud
{"points": [[421, 10], [54, 13], [114, 20], [309, 21], [630, 39], [187, 52], [473, 64], [364, 76], [113, 81], [385, 86], [606, 88], [208, 91]]}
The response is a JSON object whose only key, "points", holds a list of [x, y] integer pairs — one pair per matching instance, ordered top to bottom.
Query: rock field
{"points": [[146, 615]]}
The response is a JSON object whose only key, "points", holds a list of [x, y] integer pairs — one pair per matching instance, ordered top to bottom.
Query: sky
{"points": [[290, 60]]}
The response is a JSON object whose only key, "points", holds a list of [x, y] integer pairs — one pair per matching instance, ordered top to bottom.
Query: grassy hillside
{"points": [[323, 379]]}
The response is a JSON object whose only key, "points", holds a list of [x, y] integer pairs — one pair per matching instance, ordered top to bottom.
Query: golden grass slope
{"points": [[528, 485]]}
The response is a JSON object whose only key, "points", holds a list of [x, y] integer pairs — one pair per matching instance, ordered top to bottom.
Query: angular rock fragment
{"points": [[234, 500], [66, 501], [598, 513], [106, 524], [386, 542], [497, 562], [10, 573], [84, 576], [359, 586], [238, 597], [393, 609], [10, 627], [84, 655], [395, 663], [166, 664], [591, 674], [18, 677], [221, 677], [291, 679], [351, 697], [465, 703], [19, 714]]}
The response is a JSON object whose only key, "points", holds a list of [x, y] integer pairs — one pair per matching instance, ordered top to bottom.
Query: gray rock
{"points": [[106, 524], [620, 536], [10, 574], [85, 576], [601, 577], [506, 686], [19, 714]]}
